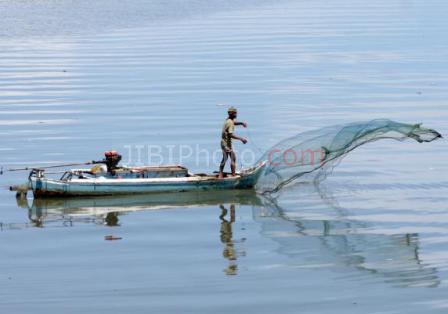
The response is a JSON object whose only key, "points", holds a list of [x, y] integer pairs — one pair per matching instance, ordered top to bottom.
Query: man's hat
{"points": [[232, 109]]}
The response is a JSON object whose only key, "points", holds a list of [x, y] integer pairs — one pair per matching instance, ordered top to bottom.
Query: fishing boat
{"points": [[136, 180]]}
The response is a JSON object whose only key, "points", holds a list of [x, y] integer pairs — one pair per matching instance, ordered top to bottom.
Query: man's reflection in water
{"points": [[111, 219], [229, 251]]}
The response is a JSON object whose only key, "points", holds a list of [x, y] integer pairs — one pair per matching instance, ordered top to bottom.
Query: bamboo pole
{"points": [[54, 166]]}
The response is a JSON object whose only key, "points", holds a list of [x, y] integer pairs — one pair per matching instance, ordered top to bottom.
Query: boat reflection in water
{"points": [[107, 209], [339, 244]]}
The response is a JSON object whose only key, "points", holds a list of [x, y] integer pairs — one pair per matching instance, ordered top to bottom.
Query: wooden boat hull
{"points": [[46, 187]]}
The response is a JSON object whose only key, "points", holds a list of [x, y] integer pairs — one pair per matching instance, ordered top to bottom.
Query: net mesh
{"points": [[312, 155]]}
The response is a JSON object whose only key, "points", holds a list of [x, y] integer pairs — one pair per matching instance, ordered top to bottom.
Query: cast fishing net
{"points": [[311, 155]]}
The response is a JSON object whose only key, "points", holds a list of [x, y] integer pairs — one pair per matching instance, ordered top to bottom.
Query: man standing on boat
{"points": [[226, 141]]}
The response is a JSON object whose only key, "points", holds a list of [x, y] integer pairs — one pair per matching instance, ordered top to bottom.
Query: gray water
{"points": [[79, 78]]}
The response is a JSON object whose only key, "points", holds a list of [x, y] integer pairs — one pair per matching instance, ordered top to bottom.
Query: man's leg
{"points": [[233, 162], [223, 163]]}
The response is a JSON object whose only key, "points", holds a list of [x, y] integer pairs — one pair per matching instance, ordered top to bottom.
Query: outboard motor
{"points": [[111, 160]]}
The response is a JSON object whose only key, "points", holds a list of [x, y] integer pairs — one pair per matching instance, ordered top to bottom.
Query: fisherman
{"points": [[226, 141]]}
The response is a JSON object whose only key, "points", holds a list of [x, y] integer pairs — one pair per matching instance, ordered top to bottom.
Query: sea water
{"points": [[81, 77]]}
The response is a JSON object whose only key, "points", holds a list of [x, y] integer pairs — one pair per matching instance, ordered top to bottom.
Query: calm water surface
{"points": [[79, 78]]}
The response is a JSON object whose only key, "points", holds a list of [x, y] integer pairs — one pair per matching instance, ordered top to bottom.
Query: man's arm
{"points": [[244, 124], [236, 137]]}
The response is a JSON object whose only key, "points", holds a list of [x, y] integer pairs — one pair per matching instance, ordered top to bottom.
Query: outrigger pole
{"points": [[48, 167]]}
